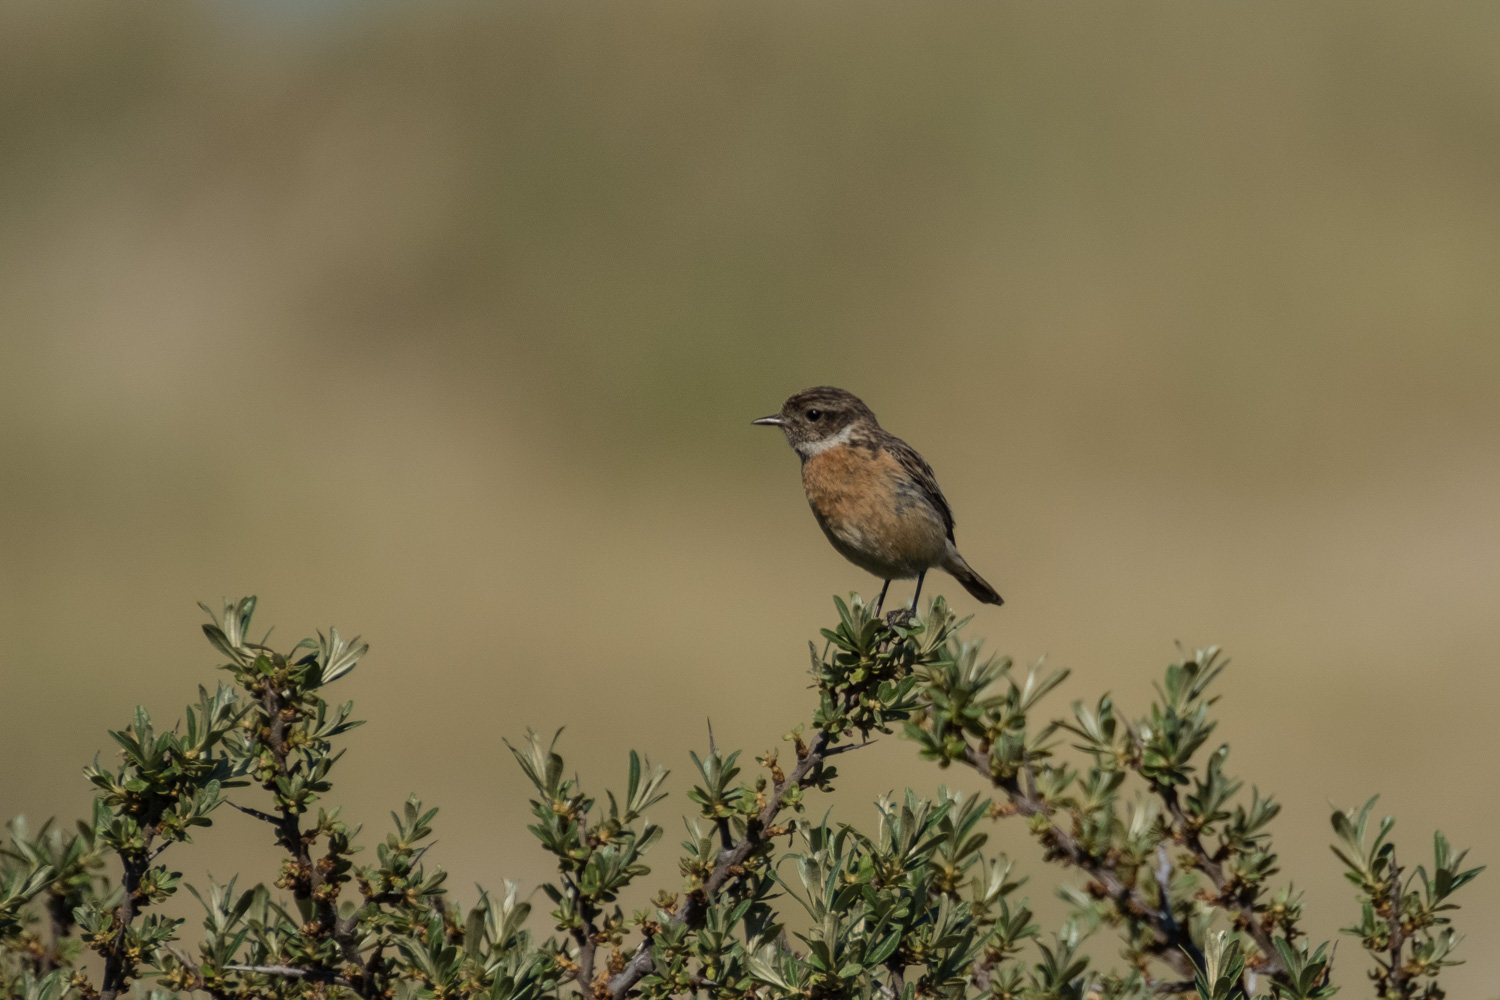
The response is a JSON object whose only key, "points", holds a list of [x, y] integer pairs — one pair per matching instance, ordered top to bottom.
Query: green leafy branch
{"points": [[1177, 861], [1403, 922]]}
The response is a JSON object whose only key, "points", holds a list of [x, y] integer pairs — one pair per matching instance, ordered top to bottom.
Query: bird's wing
{"points": [[921, 473]]}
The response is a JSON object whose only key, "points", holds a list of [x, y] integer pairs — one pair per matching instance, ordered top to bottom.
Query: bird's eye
{"points": [[814, 414]]}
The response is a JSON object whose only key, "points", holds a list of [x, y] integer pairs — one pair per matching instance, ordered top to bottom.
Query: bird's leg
{"points": [[881, 602], [904, 616]]}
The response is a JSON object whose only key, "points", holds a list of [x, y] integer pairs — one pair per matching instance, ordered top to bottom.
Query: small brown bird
{"points": [[873, 495]]}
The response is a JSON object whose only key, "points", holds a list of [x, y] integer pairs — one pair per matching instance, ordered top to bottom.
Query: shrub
{"points": [[1175, 860]]}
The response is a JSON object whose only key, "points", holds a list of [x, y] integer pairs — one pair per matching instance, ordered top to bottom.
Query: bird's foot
{"points": [[901, 616]]}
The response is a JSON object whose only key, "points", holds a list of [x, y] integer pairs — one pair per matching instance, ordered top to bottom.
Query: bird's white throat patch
{"points": [[807, 449]]}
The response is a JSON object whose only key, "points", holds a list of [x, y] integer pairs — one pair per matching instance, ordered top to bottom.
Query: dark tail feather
{"points": [[972, 581]]}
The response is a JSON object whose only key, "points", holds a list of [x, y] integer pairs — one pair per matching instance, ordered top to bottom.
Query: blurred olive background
{"points": [[445, 324]]}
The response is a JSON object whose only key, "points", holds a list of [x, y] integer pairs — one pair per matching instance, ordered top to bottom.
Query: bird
{"points": [[873, 495]]}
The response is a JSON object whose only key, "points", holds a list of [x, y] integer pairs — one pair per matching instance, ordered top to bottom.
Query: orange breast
{"points": [[863, 501]]}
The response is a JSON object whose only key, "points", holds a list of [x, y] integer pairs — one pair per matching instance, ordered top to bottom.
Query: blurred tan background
{"points": [[444, 324]]}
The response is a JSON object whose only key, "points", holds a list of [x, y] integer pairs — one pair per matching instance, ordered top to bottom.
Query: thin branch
{"points": [[267, 817], [726, 837], [730, 860], [1163, 873], [311, 877], [1244, 912], [59, 921], [584, 933], [1173, 943], [588, 946], [177, 953], [117, 964], [983, 969], [316, 975], [898, 975], [1399, 980], [1174, 986]]}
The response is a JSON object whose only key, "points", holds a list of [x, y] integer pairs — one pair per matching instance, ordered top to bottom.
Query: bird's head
{"points": [[819, 418]]}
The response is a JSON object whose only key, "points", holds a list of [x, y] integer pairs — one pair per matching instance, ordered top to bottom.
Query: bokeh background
{"points": [[444, 324]]}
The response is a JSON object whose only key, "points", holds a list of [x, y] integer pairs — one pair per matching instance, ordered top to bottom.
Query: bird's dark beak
{"points": [[774, 420]]}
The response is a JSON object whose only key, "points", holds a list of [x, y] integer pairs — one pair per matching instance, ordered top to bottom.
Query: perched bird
{"points": [[873, 495]]}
